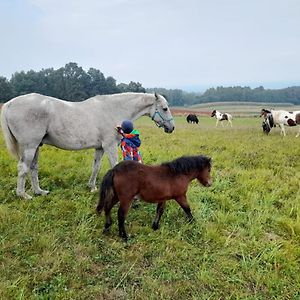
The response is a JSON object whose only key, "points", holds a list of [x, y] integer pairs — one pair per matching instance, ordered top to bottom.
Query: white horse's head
{"points": [[160, 113]]}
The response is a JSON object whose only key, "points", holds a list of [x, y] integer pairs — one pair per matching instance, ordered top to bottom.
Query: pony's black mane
{"points": [[188, 164]]}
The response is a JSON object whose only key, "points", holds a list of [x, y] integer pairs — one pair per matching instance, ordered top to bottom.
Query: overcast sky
{"points": [[185, 44]]}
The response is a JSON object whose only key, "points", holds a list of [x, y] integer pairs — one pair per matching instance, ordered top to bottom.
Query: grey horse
{"points": [[32, 120]]}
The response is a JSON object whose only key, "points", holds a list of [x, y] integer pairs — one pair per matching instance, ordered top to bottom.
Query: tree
{"points": [[6, 92]]}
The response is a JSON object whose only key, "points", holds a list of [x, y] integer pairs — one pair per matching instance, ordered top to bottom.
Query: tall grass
{"points": [[244, 244]]}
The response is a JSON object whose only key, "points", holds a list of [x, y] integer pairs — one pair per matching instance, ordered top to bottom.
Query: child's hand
{"points": [[119, 129]]}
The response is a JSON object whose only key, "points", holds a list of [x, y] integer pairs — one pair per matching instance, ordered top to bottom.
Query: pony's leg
{"points": [[217, 122], [230, 122], [298, 133], [96, 166], [23, 169], [34, 175], [182, 201], [107, 209], [159, 211], [122, 213]]}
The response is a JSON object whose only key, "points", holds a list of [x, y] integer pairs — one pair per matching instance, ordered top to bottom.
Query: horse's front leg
{"points": [[217, 122], [282, 130], [96, 166], [34, 175], [182, 201], [159, 211]]}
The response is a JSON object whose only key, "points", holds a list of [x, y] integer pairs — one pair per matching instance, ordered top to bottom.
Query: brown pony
{"points": [[154, 184]]}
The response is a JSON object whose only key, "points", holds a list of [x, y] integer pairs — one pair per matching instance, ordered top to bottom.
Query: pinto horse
{"points": [[222, 117], [281, 118], [32, 120], [154, 184]]}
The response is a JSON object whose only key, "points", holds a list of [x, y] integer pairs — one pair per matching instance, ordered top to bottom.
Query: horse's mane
{"points": [[267, 111], [187, 164]]}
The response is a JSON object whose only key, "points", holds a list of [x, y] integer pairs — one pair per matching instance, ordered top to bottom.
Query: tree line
{"points": [[70, 82], [73, 83], [178, 97]]}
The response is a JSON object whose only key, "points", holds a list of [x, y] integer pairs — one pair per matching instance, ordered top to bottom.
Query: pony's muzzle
{"points": [[209, 183]]}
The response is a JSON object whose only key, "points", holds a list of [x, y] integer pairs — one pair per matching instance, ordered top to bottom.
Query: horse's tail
{"points": [[10, 140], [107, 191]]}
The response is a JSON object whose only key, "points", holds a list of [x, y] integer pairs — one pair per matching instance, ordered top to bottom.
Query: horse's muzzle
{"points": [[169, 130], [209, 183]]}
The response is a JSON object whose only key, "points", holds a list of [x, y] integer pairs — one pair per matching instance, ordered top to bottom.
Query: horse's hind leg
{"points": [[24, 164], [96, 166], [34, 175], [182, 201], [107, 209], [159, 211], [122, 213]]}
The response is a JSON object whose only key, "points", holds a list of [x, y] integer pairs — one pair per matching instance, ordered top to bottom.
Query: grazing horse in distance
{"points": [[222, 117], [191, 118], [281, 118], [32, 120], [154, 184]]}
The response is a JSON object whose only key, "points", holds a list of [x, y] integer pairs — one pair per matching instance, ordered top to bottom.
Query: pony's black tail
{"points": [[107, 191]]}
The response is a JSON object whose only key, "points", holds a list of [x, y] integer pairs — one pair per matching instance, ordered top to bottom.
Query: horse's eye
{"points": [[165, 108]]}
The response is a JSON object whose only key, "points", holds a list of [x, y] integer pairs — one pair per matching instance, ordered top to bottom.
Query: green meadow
{"points": [[244, 243]]}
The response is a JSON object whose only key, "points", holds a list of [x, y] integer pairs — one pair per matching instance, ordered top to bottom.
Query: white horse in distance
{"points": [[222, 117], [281, 118], [32, 120]]}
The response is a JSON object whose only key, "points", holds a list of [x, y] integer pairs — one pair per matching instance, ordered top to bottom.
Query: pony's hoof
{"points": [[94, 190], [191, 220], [155, 226], [105, 231], [124, 237]]}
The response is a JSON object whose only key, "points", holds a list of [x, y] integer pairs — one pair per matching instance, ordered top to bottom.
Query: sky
{"points": [[186, 44]]}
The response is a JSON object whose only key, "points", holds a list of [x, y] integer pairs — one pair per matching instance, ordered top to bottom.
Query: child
{"points": [[130, 142]]}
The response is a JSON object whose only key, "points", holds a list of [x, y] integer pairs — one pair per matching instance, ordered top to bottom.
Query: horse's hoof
{"points": [[94, 190], [42, 192], [24, 196], [191, 220], [155, 226], [105, 230], [124, 237]]}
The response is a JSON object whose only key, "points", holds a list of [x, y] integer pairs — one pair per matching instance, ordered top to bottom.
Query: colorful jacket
{"points": [[130, 144]]}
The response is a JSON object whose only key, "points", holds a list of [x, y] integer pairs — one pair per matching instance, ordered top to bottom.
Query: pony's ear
{"points": [[156, 96]]}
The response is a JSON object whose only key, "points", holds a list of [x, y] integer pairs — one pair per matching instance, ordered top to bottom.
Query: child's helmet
{"points": [[127, 126]]}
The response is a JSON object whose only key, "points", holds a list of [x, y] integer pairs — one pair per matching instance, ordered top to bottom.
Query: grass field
{"points": [[244, 244]]}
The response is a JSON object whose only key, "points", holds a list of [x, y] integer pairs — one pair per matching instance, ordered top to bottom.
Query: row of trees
{"points": [[70, 82], [246, 94]]}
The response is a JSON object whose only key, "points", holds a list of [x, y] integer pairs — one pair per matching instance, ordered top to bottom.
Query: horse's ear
{"points": [[156, 96]]}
